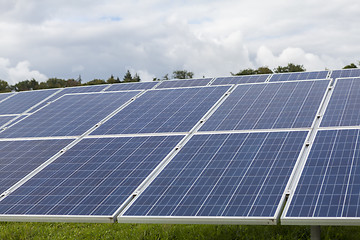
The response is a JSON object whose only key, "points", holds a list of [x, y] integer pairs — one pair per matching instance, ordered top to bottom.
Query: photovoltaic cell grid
{"points": [[345, 73], [299, 76], [241, 79], [184, 83], [131, 86], [70, 90], [3, 96], [23, 101], [344, 105], [269, 106], [170, 110], [70, 115], [5, 119], [19, 158], [232, 175], [92, 178], [329, 186]]}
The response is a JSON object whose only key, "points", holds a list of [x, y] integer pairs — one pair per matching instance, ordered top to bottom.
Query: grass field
{"points": [[161, 231]]}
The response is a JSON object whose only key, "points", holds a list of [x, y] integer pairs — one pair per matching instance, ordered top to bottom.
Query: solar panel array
{"points": [[241, 150]]}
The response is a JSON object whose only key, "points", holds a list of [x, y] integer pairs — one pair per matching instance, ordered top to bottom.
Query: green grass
{"points": [[162, 231]]}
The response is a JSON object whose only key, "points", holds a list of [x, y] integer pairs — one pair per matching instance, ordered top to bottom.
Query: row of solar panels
{"points": [[17, 103], [214, 154]]}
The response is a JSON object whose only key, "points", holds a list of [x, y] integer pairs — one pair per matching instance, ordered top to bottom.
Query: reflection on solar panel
{"points": [[345, 73], [299, 76], [241, 79], [184, 83], [131, 86], [3, 96], [23, 101], [268, 106], [343, 108], [170, 110], [71, 115], [5, 119], [19, 158], [232, 175], [92, 178], [330, 182]]}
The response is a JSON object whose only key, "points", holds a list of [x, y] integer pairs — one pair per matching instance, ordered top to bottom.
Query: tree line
{"points": [[128, 77]]}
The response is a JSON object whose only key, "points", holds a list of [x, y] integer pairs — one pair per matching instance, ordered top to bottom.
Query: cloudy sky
{"points": [[66, 38]]}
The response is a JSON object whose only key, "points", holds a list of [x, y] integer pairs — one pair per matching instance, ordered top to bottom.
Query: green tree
{"points": [[351, 65], [290, 68], [264, 70], [247, 71], [182, 74], [127, 77], [136, 78], [112, 80], [95, 82], [55, 83], [26, 85], [4, 86]]}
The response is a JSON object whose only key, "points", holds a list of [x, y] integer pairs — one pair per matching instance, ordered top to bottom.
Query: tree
{"points": [[351, 65], [290, 68], [264, 70], [249, 71], [182, 74], [127, 77], [136, 78], [112, 80], [95, 82], [55, 83], [26, 85], [4, 86]]}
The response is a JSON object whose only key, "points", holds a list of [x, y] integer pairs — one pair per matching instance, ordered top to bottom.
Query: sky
{"points": [[96, 39]]}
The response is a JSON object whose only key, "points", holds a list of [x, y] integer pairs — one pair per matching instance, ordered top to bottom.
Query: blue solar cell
{"points": [[345, 73], [299, 76], [241, 79], [184, 83], [131, 86], [63, 91], [3, 96], [23, 101], [344, 105], [269, 106], [170, 110], [70, 115], [5, 119], [19, 158], [232, 175], [92, 178], [330, 182]]}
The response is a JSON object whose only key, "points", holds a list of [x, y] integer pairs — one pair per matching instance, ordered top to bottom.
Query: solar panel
{"points": [[355, 72], [299, 76], [241, 79], [184, 83], [131, 86], [69, 90], [3, 96], [23, 101], [344, 105], [269, 106], [170, 110], [70, 115], [5, 119], [19, 158], [241, 175], [92, 178], [328, 189]]}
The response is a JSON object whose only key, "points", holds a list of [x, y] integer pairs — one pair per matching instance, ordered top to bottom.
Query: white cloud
{"points": [[99, 38], [18, 73]]}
